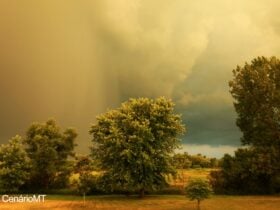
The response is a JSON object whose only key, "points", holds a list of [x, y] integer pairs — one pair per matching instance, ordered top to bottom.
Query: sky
{"points": [[72, 60]]}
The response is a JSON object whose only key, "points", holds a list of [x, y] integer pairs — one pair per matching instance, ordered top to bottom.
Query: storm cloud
{"points": [[72, 60]]}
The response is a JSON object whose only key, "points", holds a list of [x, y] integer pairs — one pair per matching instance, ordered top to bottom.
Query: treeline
{"points": [[133, 146], [131, 152], [39, 161], [187, 161], [249, 171]]}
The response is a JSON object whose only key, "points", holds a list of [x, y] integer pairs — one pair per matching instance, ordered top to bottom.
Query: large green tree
{"points": [[256, 92], [133, 143], [49, 149], [14, 165]]}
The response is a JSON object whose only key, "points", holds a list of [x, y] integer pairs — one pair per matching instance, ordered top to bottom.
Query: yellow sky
{"points": [[74, 59]]}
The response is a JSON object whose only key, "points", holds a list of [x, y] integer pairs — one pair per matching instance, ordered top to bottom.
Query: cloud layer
{"points": [[72, 60]]}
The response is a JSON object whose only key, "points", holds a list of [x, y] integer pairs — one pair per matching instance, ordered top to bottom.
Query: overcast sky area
{"points": [[72, 60]]}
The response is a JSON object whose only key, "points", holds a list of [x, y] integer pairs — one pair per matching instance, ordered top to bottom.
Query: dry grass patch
{"points": [[150, 203]]}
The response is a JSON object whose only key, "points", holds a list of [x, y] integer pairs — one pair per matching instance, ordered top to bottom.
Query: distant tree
{"points": [[134, 143], [49, 149], [181, 161], [185, 161], [199, 161], [214, 162], [83, 163], [14, 165], [85, 183], [198, 189]]}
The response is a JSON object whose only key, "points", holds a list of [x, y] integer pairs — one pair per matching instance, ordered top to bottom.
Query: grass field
{"points": [[183, 176], [152, 202], [149, 203]]}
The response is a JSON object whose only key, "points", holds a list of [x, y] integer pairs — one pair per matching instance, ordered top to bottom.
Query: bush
{"points": [[248, 172]]}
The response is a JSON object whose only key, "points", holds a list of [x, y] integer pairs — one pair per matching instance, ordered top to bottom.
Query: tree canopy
{"points": [[256, 90], [133, 143], [48, 149], [14, 165], [198, 189]]}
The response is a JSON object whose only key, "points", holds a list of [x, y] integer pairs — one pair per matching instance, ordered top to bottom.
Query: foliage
{"points": [[256, 90], [133, 143], [48, 149], [181, 161], [186, 161], [200, 161], [83, 163], [14, 165], [256, 169], [248, 172], [236, 174], [85, 183], [198, 189]]}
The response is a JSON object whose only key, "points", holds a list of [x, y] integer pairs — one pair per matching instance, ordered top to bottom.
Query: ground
{"points": [[155, 202], [161, 202]]}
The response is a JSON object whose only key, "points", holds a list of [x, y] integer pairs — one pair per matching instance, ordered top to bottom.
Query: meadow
{"points": [[184, 175], [152, 202], [160, 202]]}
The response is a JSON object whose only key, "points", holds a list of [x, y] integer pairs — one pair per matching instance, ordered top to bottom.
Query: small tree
{"points": [[14, 165], [86, 180], [85, 183], [198, 189]]}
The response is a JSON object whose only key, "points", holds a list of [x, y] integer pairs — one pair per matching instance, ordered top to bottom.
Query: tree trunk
{"points": [[142, 193], [198, 204]]}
